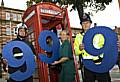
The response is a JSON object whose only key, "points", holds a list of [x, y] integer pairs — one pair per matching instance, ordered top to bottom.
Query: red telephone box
{"points": [[46, 16]]}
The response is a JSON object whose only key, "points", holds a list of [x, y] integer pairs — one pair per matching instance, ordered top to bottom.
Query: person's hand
{"points": [[81, 46], [4, 61], [55, 62]]}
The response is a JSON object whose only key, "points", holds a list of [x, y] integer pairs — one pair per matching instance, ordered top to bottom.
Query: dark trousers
{"points": [[118, 61], [22, 69], [90, 76], [30, 79]]}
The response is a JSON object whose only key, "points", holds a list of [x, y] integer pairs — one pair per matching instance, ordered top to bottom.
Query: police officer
{"points": [[98, 42], [18, 54]]}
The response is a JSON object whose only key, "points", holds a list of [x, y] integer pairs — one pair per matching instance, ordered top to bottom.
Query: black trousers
{"points": [[22, 69], [90, 76], [30, 79]]}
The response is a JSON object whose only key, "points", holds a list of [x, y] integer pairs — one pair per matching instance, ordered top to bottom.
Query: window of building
{"points": [[7, 16], [14, 17], [19, 17], [3, 23], [8, 30]]}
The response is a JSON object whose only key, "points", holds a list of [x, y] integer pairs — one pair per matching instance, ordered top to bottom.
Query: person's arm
{"points": [[77, 46], [33, 50], [65, 53], [63, 59]]}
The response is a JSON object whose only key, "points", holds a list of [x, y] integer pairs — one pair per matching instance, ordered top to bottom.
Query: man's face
{"points": [[86, 25], [22, 32], [63, 36]]}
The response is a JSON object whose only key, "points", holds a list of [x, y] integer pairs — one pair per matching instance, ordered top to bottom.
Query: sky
{"points": [[109, 17]]}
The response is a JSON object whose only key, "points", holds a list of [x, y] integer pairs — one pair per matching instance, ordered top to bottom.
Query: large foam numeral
{"points": [[49, 42], [110, 49], [28, 58]]}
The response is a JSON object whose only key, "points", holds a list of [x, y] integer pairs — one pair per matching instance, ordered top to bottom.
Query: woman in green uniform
{"points": [[66, 59]]}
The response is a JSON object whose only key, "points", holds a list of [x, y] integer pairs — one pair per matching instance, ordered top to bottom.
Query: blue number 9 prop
{"points": [[51, 47], [110, 49], [28, 58]]}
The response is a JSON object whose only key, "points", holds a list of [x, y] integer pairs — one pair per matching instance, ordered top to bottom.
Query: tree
{"points": [[29, 3], [80, 5]]}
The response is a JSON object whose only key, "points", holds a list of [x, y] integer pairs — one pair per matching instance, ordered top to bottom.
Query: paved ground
{"points": [[115, 75]]}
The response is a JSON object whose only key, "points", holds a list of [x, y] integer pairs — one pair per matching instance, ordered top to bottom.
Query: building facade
{"points": [[9, 18], [117, 30]]}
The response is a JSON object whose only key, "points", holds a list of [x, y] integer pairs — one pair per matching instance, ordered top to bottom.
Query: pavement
{"points": [[114, 72]]}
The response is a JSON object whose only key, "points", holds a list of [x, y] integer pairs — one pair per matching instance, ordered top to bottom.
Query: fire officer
{"points": [[21, 32]]}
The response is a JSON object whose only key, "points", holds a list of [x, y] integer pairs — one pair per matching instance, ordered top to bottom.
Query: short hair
{"points": [[67, 33]]}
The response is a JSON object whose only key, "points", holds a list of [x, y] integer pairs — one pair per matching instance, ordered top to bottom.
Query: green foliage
{"points": [[37, 1], [103, 1], [29, 3], [95, 5]]}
